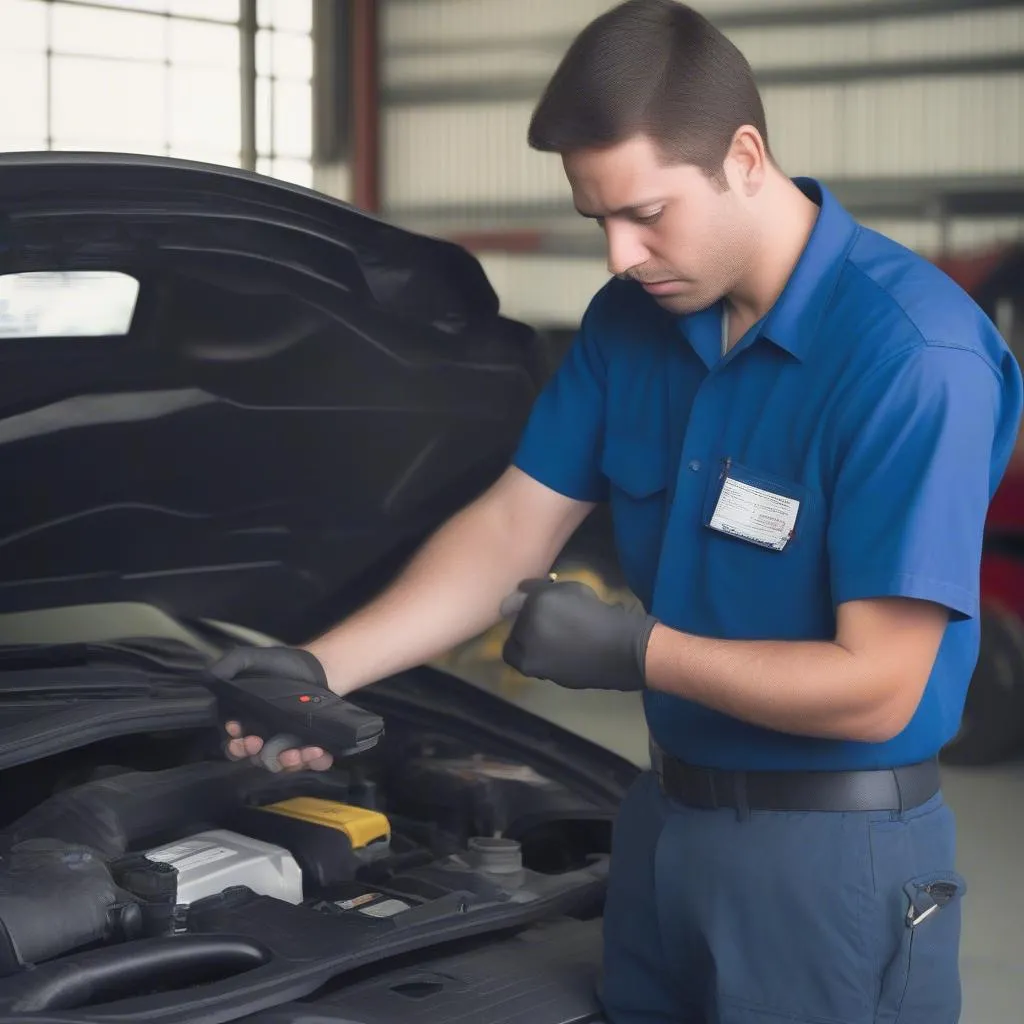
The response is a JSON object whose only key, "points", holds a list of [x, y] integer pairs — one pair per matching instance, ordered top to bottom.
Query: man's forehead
{"points": [[625, 178], [611, 195]]}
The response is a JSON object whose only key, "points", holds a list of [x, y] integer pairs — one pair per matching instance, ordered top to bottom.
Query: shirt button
{"points": [[695, 466]]}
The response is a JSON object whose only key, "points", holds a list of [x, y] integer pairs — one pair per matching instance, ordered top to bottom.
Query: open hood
{"points": [[230, 397]]}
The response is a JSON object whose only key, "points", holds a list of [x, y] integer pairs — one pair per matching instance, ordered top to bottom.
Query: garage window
{"points": [[159, 77], [284, 90]]}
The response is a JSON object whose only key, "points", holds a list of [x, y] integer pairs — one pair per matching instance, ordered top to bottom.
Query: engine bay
{"points": [[156, 866]]}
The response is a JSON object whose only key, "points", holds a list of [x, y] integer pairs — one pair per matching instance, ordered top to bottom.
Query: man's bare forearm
{"points": [[451, 590], [863, 686], [812, 689]]}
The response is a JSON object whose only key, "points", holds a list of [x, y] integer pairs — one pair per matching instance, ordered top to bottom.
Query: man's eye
{"points": [[650, 218]]}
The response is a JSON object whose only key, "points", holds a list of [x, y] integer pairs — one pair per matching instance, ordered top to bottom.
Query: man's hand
{"points": [[565, 633], [286, 663]]}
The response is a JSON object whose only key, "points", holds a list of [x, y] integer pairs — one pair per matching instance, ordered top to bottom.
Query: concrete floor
{"points": [[989, 804]]}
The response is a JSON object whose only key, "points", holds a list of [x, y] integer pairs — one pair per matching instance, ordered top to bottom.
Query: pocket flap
{"points": [[929, 893]]}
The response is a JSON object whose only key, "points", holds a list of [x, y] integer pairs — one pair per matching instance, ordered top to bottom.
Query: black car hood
{"points": [[304, 392]]}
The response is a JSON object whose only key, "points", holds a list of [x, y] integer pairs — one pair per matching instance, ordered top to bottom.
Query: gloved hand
{"points": [[565, 633], [287, 663]]}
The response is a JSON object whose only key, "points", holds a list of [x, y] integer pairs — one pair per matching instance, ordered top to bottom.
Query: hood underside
{"points": [[233, 398]]}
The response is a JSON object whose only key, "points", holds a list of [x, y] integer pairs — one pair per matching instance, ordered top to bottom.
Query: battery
{"points": [[362, 826], [330, 840], [210, 862]]}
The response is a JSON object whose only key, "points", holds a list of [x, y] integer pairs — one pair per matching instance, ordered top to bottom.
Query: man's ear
{"points": [[746, 163]]}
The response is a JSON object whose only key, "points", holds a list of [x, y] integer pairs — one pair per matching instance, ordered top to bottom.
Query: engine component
{"points": [[481, 796], [112, 814], [363, 828], [330, 840], [496, 856], [210, 862], [155, 885], [55, 898]]}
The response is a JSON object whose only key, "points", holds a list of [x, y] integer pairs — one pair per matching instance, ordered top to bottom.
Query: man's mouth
{"points": [[659, 287]]}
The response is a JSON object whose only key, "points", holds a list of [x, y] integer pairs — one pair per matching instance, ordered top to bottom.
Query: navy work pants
{"points": [[764, 917]]}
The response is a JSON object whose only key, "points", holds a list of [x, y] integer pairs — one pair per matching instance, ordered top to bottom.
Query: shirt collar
{"points": [[792, 322]]}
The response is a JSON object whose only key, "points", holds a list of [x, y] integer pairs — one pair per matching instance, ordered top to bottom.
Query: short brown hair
{"points": [[653, 67]]}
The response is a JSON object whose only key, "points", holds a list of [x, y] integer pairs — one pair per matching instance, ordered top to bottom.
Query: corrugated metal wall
{"points": [[924, 97], [551, 290]]}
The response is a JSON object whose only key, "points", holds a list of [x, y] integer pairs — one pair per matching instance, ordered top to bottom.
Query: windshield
{"points": [[119, 623]]}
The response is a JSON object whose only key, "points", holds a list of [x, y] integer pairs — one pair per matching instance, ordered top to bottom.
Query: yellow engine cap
{"points": [[362, 826]]}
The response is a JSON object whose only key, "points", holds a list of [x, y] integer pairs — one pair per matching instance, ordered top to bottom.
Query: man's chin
{"points": [[682, 298], [683, 304]]}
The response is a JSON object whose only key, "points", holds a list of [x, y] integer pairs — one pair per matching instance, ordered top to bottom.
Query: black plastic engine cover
{"points": [[545, 975]]}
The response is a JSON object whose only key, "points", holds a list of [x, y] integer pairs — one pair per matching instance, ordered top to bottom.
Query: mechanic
{"points": [[799, 425]]}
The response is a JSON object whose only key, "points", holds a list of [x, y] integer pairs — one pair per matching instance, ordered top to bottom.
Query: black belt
{"points": [[884, 789]]}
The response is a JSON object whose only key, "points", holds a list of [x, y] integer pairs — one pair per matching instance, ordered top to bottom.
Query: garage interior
{"points": [[911, 111]]}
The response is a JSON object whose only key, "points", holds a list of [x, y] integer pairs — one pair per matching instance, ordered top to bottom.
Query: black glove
{"points": [[565, 633], [283, 662]]}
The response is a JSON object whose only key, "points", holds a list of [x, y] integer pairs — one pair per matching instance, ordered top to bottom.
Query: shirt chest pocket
{"points": [[638, 477], [782, 594]]}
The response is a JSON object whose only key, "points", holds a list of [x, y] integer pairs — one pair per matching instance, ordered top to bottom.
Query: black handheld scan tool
{"points": [[293, 714]]}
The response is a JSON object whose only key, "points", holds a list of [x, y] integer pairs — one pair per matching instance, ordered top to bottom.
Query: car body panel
{"points": [[303, 394], [230, 408]]}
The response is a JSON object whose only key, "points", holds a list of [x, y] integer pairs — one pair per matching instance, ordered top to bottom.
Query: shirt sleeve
{"points": [[562, 443], [913, 480]]}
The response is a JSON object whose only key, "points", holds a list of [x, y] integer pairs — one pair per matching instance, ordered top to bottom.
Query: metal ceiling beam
{"points": [[753, 17], [504, 90]]}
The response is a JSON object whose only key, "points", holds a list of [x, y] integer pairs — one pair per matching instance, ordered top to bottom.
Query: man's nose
{"points": [[625, 251]]}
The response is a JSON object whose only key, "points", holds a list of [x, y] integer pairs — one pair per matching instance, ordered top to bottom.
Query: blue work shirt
{"points": [[875, 392]]}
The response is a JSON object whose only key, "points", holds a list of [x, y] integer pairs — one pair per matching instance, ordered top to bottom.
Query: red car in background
{"points": [[993, 725]]}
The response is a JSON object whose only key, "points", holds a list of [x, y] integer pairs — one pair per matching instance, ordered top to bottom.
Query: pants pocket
{"points": [[921, 984]]}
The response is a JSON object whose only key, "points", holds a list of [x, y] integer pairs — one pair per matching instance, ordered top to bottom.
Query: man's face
{"points": [[685, 238]]}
